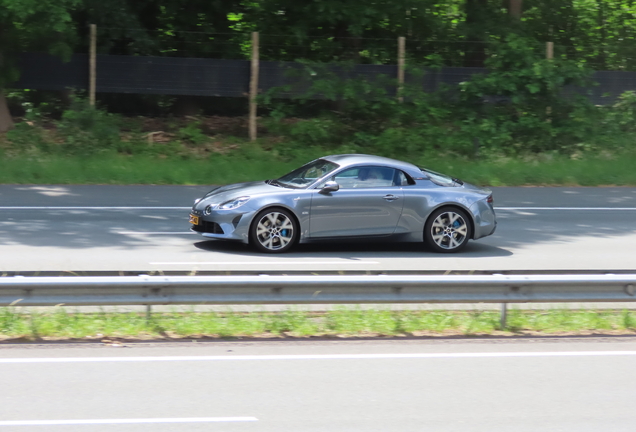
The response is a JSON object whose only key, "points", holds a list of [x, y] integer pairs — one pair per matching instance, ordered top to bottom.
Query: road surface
{"points": [[145, 228], [469, 386]]}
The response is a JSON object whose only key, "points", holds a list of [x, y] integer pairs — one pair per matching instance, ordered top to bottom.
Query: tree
{"points": [[515, 8], [34, 25]]}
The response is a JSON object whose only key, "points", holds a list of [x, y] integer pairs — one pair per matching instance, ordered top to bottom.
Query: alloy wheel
{"points": [[275, 231], [449, 231]]}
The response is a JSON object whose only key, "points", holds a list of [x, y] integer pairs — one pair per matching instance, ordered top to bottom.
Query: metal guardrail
{"points": [[347, 289]]}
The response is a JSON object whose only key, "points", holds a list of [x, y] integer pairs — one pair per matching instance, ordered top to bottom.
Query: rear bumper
{"points": [[485, 219]]}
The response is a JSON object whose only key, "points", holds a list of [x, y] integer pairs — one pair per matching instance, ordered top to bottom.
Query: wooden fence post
{"points": [[549, 50], [549, 54], [400, 71], [92, 82], [253, 86]]}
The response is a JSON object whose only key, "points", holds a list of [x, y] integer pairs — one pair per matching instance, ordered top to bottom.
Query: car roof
{"points": [[358, 159]]}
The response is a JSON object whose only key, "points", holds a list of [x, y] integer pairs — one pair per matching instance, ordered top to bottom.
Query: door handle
{"points": [[390, 197]]}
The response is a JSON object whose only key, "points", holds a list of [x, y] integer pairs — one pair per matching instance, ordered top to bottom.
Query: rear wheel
{"points": [[447, 230], [274, 231]]}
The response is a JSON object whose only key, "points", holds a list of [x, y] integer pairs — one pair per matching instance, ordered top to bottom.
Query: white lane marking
{"points": [[89, 208], [568, 208], [154, 233], [262, 262], [317, 357], [126, 421]]}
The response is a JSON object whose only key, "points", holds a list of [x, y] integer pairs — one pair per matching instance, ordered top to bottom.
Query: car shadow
{"points": [[158, 218], [355, 250]]}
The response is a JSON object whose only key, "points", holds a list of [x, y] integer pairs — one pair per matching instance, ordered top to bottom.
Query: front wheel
{"points": [[447, 230], [274, 231]]}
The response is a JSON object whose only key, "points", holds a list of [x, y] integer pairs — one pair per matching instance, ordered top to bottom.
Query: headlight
{"points": [[235, 203], [208, 209]]}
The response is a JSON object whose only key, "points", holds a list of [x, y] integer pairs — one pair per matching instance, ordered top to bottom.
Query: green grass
{"points": [[117, 169], [224, 169], [62, 323]]}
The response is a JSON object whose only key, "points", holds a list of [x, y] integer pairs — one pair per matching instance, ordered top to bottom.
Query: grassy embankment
{"points": [[215, 151], [113, 168], [61, 324]]}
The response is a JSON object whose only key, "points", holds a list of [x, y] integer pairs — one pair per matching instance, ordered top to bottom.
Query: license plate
{"points": [[194, 220]]}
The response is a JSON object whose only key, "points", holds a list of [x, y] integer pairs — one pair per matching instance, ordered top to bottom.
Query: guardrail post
{"points": [[148, 312], [504, 316]]}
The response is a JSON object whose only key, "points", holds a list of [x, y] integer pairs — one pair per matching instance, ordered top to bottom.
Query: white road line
{"points": [[89, 208], [567, 208], [155, 232], [263, 262], [317, 357], [126, 421]]}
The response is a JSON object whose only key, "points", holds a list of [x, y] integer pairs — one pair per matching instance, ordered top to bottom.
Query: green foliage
{"points": [[33, 25], [521, 106], [623, 112], [88, 130], [192, 134], [26, 138]]}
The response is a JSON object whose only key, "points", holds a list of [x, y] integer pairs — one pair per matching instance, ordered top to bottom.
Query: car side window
{"points": [[366, 177], [401, 179]]}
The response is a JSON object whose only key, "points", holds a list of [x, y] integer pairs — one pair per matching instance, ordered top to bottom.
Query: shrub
{"points": [[88, 130], [192, 134]]}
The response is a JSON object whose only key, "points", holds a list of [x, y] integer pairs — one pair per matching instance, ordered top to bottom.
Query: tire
{"points": [[447, 230], [274, 231]]}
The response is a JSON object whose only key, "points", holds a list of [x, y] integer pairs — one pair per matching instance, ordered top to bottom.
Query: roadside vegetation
{"points": [[528, 121], [588, 146], [343, 322]]}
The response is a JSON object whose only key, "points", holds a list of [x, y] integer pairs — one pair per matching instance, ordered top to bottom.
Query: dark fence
{"points": [[230, 78]]}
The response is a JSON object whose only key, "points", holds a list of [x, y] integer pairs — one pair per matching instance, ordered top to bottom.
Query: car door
{"points": [[366, 204]]}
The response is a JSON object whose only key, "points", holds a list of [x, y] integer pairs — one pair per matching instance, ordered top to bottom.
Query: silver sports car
{"points": [[348, 196]]}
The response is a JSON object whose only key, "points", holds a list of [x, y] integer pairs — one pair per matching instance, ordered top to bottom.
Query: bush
{"points": [[519, 107], [88, 130], [192, 134]]}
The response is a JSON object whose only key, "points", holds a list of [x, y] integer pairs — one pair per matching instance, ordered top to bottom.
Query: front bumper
{"points": [[223, 225]]}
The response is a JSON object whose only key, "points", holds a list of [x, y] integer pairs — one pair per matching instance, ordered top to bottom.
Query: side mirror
{"points": [[330, 186]]}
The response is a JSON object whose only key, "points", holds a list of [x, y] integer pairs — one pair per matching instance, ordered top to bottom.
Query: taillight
{"points": [[489, 199]]}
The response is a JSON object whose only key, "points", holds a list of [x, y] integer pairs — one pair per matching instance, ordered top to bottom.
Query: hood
{"points": [[477, 189], [229, 192]]}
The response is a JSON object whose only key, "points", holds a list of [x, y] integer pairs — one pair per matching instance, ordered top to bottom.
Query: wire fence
{"points": [[615, 55], [204, 64], [156, 75]]}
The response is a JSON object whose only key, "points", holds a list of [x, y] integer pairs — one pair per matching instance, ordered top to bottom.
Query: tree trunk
{"points": [[514, 8], [475, 48], [6, 122]]}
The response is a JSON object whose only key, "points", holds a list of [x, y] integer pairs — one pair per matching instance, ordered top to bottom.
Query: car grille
{"points": [[208, 227]]}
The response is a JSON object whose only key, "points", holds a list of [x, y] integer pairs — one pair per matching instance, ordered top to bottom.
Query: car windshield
{"points": [[307, 174], [440, 179]]}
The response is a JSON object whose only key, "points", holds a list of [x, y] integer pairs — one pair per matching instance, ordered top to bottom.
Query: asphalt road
{"points": [[145, 228], [322, 386]]}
